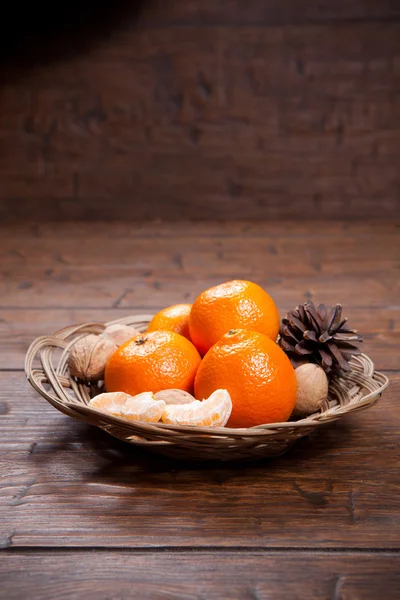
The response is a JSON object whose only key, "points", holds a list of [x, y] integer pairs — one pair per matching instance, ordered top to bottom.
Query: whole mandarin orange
{"points": [[232, 305], [174, 318], [152, 362], [257, 374]]}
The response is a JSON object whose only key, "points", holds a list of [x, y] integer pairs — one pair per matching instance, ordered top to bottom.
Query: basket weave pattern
{"points": [[359, 389]]}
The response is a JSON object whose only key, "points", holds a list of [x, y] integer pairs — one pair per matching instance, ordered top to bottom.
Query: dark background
{"points": [[201, 109]]}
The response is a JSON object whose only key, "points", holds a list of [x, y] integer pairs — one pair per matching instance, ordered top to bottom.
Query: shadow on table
{"points": [[124, 458], [130, 489]]}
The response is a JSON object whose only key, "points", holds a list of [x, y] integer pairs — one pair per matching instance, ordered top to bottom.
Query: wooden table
{"points": [[84, 515]]}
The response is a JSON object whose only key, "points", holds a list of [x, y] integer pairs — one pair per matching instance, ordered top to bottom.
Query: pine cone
{"points": [[310, 334]]}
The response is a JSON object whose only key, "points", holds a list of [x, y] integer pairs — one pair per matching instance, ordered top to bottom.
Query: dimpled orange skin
{"points": [[232, 305], [174, 318], [152, 362], [257, 374]]}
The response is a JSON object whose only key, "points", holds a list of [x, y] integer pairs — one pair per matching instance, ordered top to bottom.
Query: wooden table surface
{"points": [[84, 515]]}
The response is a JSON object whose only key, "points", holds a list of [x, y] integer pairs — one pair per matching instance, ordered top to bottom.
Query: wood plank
{"points": [[234, 13], [228, 122], [246, 229], [329, 249], [71, 268], [98, 288], [19, 327], [68, 484], [200, 575]]}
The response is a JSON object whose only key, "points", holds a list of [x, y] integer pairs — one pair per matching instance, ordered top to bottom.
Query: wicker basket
{"points": [[361, 388]]}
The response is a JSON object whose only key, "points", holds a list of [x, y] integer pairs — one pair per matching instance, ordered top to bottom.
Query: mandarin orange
{"points": [[232, 305], [173, 318], [152, 362], [257, 374]]}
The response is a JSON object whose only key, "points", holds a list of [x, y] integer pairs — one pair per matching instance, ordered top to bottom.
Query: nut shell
{"points": [[119, 334], [88, 357], [312, 389], [175, 396]]}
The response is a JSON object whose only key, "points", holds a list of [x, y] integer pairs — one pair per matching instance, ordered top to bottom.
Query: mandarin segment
{"points": [[235, 304], [173, 318], [154, 361], [257, 374], [110, 403], [143, 408], [213, 412]]}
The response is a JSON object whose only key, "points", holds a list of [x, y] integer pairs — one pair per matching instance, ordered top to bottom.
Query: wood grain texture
{"points": [[234, 13], [177, 119], [114, 266], [91, 287], [68, 484], [202, 575]]}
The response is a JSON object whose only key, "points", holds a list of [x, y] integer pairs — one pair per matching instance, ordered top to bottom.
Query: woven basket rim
{"points": [[361, 388]]}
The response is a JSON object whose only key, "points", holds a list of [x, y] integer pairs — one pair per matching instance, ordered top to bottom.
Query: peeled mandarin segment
{"points": [[110, 403], [143, 408], [218, 408], [213, 412], [182, 414]]}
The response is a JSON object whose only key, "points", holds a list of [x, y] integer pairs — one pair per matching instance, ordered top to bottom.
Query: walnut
{"points": [[119, 334], [88, 357], [175, 396]]}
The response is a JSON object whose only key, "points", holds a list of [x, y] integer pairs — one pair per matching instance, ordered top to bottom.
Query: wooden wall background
{"points": [[201, 109]]}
